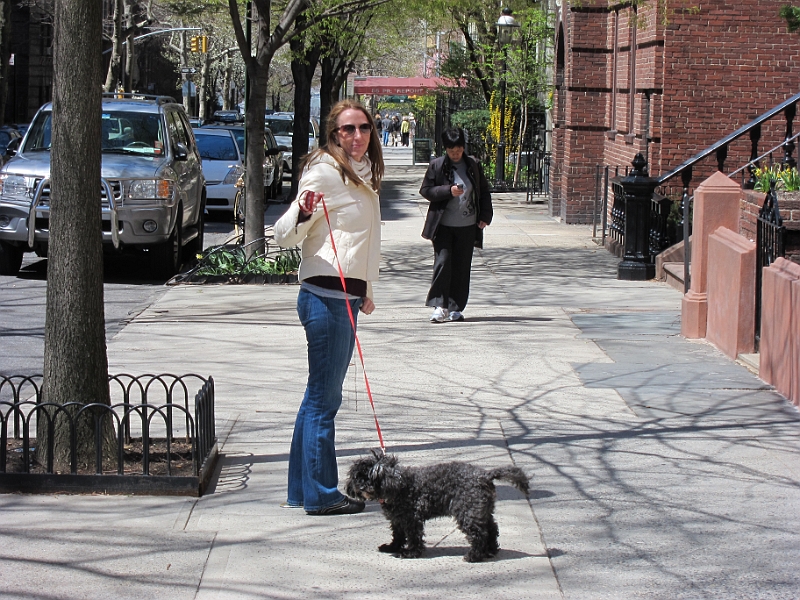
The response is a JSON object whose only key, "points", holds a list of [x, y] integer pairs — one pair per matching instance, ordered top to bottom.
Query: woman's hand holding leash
{"points": [[308, 203]]}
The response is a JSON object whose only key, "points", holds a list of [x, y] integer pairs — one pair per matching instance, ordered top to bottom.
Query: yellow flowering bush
{"points": [[786, 178]]}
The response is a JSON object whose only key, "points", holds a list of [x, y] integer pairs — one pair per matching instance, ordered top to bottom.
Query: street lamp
{"points": [[505, 25]]}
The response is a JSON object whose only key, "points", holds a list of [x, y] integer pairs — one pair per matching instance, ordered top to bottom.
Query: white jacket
{"points": [[355, 215]]}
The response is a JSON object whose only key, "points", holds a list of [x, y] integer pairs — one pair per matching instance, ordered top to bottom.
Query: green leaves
{"points": [[786, 178], [232, 260]]}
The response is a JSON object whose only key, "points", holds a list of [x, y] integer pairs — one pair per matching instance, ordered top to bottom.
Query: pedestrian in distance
{"points": [[386, 124], [379, 125], [412, 127], [405, 128], [395, 130], [346, 172], [460, 208]]}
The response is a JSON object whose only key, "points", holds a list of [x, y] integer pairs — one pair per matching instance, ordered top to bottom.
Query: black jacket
{"points": [[436, 188]]}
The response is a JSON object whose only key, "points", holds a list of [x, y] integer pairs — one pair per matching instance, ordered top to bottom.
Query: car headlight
{"points": [[233, 175], [16, 188], [149, 190]]}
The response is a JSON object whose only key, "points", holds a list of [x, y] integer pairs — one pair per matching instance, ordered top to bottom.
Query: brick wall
{"points": [[706, 74]]}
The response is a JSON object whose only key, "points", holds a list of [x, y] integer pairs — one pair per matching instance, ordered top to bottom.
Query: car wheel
{"points": [[278, 185], [267, 192], [196, 246], [167, 258], [10, 259]]}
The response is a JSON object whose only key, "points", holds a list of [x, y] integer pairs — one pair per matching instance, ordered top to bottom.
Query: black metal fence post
{"points": [[637, 189]]}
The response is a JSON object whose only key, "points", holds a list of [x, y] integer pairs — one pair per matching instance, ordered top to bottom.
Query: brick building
{"points": [[665, 78]]}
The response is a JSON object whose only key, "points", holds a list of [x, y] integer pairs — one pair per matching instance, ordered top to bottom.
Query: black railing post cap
{"points": [[639, 166]]}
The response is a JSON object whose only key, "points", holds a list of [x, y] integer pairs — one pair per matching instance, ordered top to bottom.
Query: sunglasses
{"points": [[348, 129]]}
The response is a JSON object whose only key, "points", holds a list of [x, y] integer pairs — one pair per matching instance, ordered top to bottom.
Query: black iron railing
{"points": [[620, 227], [770, 244], [156, 407]]}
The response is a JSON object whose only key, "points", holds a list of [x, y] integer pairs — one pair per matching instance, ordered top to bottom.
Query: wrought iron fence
{"points": [[770, 244], [156, 408]]}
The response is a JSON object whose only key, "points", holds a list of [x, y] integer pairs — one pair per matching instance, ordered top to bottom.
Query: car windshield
{"points": [[280, 126], [122, 132], [239, 135], [216, 147]]}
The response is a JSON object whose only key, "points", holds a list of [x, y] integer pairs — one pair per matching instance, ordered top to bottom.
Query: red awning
{"points": [[398, 86]]}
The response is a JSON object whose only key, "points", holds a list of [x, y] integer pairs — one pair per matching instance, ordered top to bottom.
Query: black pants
{"points": [[452, 248]]}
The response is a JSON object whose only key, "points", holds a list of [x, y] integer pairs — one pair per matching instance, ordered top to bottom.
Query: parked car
{"points": [[228, 116], [282, 126], [8, 135], [273, 157], [223, 164], [153, 193]]}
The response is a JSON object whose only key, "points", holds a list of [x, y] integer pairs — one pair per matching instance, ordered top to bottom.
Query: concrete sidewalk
{"points": [[660, 468]]}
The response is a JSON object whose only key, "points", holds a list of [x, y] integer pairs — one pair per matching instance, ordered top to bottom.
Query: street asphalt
{"points": [[660, 469]]}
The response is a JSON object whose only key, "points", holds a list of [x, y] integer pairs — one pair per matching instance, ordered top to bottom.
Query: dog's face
{"points": [[374, 477]]}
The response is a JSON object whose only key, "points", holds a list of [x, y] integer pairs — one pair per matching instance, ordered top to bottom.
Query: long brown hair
{"points": [[330, 147]]}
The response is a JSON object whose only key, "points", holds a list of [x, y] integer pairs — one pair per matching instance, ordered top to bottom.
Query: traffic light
{"points": [[203, 43], [194, 44]]}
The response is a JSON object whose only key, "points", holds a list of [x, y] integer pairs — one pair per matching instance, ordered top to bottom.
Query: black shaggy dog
{"points": [[409, 496]]}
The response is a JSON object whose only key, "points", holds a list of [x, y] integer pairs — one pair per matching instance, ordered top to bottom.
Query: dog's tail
{"points": [[513, 475]]}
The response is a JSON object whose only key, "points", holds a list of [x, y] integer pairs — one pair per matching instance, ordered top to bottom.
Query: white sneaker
{"points": [[439, 315], [456, 315]]}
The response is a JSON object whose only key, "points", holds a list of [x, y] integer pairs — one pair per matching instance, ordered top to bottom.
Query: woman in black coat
{"points": [[461, 207]]}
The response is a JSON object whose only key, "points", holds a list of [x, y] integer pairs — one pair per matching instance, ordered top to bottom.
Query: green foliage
{"points": [[791, 14], [473, 121], [786, 179], [790, 179], [226, 260]]}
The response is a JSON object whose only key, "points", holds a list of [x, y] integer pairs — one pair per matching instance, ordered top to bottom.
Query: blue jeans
{"points": [[385, 137], [313, 474]]}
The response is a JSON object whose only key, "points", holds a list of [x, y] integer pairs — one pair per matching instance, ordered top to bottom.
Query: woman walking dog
{"points": [[347, 173]]}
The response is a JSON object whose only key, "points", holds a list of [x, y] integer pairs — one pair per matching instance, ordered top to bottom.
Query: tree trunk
{"points": [[5, 53], [130, 62], [303, 67], [113, 76], [226, 83], [203, 88], [328, 94], [254, 123], [523, 129], [75, 361]]}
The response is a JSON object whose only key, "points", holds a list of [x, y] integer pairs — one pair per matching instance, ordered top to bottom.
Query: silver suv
{"points": [[282, 126], [153, 195]]}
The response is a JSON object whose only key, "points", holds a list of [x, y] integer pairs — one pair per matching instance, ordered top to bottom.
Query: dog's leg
{"points": [[477, 533], [415, 538], [398, 540], [492, 545]]}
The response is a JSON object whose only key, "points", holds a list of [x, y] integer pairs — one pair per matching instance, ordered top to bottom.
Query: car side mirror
{"points": [[13, 146], [181, 151]]}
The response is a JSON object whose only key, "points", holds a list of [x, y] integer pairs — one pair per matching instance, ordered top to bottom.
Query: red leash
{"points": [[353, 324]]}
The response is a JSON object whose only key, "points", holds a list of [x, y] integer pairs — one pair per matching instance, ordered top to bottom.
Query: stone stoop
{"points": [[669, 265], [673, 274], [749, 361]]}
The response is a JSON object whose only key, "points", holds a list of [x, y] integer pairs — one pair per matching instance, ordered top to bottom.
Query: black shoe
{"points": [[345, 506]]}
